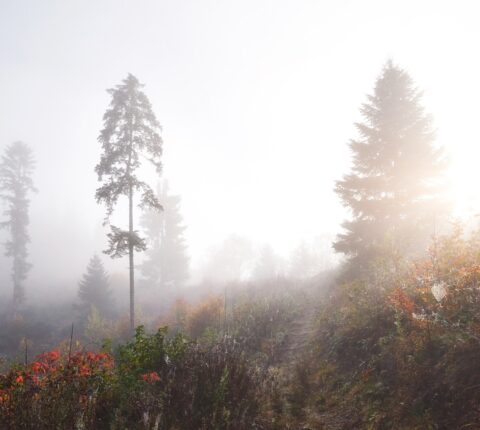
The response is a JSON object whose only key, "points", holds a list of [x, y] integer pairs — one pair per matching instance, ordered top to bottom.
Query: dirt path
{"points": [[299, 337], [297, 347]]}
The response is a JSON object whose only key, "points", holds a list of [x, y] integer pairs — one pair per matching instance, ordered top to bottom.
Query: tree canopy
{"points": [[130, 134], [16, 169], [393, 190], [167, 262], [94, 288]]}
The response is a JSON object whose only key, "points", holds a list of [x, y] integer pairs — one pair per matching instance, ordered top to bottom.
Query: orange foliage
{"points": [[401, 301], [207, 314], [176, 317], [151, 377]]}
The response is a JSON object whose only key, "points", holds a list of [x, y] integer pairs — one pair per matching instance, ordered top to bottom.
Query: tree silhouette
{"points": [[131, 132], [16, 170], [393, 191], [167, 261], [303, 262], [268, 265], [94, 289]]}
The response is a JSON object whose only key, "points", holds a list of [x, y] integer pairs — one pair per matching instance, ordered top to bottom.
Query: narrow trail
{"points": [[303, 328], [299, 337], [298, 345], [295, 349]]}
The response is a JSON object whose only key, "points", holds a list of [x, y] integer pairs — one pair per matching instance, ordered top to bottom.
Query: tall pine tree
{"points": [[131, 132], [16, 183], [393, 190], [167, 263]]}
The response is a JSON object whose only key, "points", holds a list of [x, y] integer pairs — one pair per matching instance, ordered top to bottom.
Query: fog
{"points": [[257, 101], [290, 192]]}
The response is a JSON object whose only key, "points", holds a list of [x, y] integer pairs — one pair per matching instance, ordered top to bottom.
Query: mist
{"points": [[263, 110], [254, 129]]}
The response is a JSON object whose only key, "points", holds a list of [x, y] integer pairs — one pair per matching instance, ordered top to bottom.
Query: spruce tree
{"points": [[131, 133], [16, 183], [393, 190], [167, 261], [230, 261], [303, 263], [268, 265], [94, 289]]}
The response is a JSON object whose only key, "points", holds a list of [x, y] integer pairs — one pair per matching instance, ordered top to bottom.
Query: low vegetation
{"points": [[398, 350], [401, 352]]}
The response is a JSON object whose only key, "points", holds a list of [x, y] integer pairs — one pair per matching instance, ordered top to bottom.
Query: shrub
{"points": [[208, 315], [401, 353], [156, 382], [178, 384], [56, 392]]}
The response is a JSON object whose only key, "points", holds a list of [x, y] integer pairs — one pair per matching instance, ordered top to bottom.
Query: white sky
{"points": [[257, 100]]}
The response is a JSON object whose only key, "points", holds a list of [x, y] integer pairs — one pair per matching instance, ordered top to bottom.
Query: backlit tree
{"points": [[393, 190]]}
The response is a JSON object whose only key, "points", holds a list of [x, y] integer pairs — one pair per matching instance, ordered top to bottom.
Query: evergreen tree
{"points": [[131, 132], [16, 183], [393, 191], [167, 261], [230, 261], [303, 263], [268, 265], [94, 288]]}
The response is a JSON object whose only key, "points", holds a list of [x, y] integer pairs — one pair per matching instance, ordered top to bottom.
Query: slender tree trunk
{"points": [[130, 255], [14, 280], [17, 289], [16, 295]]}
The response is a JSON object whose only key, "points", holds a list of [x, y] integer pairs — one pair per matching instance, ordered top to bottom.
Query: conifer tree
{"points": [[131, 133], [16, 183], [393, 190], [167, 261], [230, 261], [303, 263], [268, 265], [94, 288]]}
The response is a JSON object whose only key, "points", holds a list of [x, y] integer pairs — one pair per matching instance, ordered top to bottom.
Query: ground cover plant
{"points": [[399, 352], [214, 370]]}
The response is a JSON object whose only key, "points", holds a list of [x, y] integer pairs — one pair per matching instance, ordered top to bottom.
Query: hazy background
{"points": [[257, 100]]}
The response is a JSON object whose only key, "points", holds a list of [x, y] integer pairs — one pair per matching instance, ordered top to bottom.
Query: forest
{"points": [[150, 285]]}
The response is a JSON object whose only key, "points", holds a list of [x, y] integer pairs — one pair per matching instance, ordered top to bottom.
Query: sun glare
{"points": [[463, 179]]}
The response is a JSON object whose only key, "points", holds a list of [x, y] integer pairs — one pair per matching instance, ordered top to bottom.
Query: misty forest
{"points": [[239, 215]]}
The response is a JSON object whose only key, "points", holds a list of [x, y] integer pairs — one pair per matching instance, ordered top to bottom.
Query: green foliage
{"points": [[130, 131], [119, 241], [261, 322], [96, 328], [149, 352], [383, 354], [393, 354], [157, 382], [194, 386], [57, 391]]}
